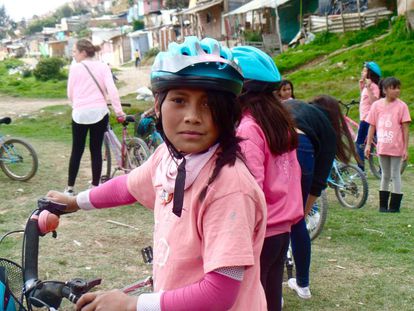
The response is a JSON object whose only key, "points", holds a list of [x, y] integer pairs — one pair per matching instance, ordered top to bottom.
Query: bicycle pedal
{"points": [[147, 254]]}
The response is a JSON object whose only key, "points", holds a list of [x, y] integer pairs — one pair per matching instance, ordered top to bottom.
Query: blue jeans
{"points": [[360, 141], [301, 244]]}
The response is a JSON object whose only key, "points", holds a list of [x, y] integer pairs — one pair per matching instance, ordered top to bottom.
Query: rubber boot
{"points": [[383, 201], [395, 202]]}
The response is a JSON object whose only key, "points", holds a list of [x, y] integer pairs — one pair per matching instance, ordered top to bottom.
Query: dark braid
{"points": [[226, 114]]}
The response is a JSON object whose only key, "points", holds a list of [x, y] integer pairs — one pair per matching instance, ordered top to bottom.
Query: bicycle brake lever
{"points": [[51, 206], [79, 286]]}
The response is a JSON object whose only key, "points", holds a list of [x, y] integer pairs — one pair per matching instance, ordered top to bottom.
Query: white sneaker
{"points": [[69, 192], [303, 292]]}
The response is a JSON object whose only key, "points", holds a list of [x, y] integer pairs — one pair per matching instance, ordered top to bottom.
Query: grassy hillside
{"points": [[338, 73]]}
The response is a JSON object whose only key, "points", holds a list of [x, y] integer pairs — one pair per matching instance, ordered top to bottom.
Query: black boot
{"points": [[383, 201], [395, 202]]}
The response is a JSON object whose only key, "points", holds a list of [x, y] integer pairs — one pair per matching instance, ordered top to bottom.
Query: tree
{"points": [[175, 4], [4, 22]]}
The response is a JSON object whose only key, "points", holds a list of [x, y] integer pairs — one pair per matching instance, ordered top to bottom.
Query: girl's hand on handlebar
{"points": [[59, 197], [112, 300]]}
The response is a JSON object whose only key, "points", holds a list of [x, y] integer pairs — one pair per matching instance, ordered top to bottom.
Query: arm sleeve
{"points": [[70, 84], [112, 92], [252, 147], [323, 165], [110, 194], [214, 292]]}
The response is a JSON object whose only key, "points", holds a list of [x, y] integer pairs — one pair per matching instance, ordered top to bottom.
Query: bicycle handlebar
{"points": [[349, 105], [47, 293]]}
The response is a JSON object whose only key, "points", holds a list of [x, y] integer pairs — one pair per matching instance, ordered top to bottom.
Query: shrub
{"points": [[250, 35], [152, 52], [49, 68]]}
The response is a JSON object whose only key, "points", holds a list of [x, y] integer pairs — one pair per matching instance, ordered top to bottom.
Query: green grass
{"points": [[324, 44]]}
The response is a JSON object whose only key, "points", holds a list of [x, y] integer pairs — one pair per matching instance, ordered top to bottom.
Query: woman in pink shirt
{"points": [[88, 83], [368, 85], [389, 118], [269, 145], [210, 214]]}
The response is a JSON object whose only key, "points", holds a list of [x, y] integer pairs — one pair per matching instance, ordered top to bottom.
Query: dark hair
{"points": [[87, 46], [373, 76], [286, 82], [390, 82], [226, 115], [273, 119], [345, 147]]}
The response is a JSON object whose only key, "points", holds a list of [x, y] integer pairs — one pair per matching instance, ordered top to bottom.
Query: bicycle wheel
{"points": [[137, 152], [18, 159], [106, 161], [375, 167], [351, 187], [317, 217]]}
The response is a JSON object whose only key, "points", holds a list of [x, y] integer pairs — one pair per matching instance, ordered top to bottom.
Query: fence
{"points": [[346, 21]]}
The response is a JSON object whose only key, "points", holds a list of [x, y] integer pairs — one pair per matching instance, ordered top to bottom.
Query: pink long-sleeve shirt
{"points": [[83, 91], [278, 175]]}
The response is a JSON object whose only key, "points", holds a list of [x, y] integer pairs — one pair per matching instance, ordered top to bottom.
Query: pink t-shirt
{"points": [[83, 91], [365, 102], [388, 120], [278, 176], [226, 229]]}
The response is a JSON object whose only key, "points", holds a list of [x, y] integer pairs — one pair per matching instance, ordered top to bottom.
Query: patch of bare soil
{"points": [[132, 79]]}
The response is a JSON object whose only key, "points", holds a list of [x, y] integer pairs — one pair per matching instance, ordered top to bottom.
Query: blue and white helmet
{"points": [[205, 64], [374, 67], [259, 70]]}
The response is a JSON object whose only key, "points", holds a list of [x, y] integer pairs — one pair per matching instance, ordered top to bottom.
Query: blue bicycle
{"points": [[18, 159], [350, 184]]}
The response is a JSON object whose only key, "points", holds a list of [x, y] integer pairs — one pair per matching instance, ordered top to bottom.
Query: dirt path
{"points": [[132, 79]]}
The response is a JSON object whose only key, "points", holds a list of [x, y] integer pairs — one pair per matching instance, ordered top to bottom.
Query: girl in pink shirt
{"points": [[368, 86], [389, 117], [269, 145], [210, 214]]}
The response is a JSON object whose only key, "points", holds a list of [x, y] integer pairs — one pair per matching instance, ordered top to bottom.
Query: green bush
{"points": [[250, 35], [152, 52], [49, 68]]}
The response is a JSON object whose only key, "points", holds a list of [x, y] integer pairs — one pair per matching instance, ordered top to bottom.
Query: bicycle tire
{"points": [[15, 149], [137, 152], [106, 161], [375, 167], [355, 185], [315, 220]]}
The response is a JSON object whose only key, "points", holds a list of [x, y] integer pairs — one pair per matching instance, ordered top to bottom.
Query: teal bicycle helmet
{"points": [[194, 63], [373, 66], [259, 69]]}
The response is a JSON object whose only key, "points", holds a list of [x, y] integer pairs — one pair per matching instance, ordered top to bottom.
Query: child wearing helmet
{"points": [[368, 85], [389, 118], [269, 146], [210, 214]]}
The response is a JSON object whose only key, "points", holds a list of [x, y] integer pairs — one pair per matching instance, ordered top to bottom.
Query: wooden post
{"points": [[359, 15], [342, 18], [278, 30]]}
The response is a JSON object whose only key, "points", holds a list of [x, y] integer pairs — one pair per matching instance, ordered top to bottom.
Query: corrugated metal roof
{"points": [[255, 5]]}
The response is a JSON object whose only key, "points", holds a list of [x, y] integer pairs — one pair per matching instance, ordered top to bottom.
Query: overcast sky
{"points": [[17, 9]]}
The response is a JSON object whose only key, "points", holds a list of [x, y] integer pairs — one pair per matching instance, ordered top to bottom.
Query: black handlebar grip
{"points": [[31, 253]]}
